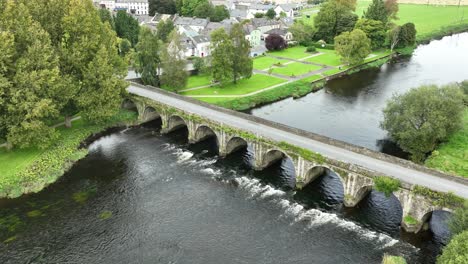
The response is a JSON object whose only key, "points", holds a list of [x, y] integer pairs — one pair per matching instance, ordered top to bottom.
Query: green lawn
{"points": [[427, 18], [297, 52], [329, 58], [262, 63], [296, 69], [312, 78], [198, 80], [243, 86], [452, 156], [13, 161]]}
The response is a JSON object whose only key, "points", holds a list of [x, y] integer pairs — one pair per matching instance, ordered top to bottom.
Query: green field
{"points": [[427, 18], [297, 52], [329, 57], [262, 63], [296, 69], [198, 80], [243, 86], [452, 156]]}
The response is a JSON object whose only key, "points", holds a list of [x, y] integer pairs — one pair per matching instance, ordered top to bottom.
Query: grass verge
{"points": [[452, 156], [30, 170]]}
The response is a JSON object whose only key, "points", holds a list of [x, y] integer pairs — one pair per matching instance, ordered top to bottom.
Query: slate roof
{"points": [[190, 21], [262, 22], [278, 31]]}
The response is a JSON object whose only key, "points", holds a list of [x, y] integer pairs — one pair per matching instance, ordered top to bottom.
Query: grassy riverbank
{"points": [[452, 156], [30, 170]]}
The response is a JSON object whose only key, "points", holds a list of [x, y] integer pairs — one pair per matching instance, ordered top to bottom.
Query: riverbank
{"points": [[294, 89], [452, 156], [31, 170]]}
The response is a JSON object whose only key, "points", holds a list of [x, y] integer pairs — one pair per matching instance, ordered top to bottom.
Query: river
{"points": [[350, 108], [143, 197]]}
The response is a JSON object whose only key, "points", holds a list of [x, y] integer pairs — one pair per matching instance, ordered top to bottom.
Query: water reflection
{"points": [[350, 108]]}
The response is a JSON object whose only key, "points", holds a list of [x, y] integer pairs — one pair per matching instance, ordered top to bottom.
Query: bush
{"points": [[311, 49], [386, 185], [456, 251], [389, 259]]}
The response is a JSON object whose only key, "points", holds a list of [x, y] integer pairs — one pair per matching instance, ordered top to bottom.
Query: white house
{"points": [[137, 7], [258, 8], [288, 9], [197, 24]]}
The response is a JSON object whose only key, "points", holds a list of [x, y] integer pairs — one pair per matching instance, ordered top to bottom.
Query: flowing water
{"points": [[350, 108], [141, 197]]}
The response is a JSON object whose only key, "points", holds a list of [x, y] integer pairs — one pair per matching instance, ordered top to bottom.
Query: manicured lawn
{"points": [[297, 52], [329, 58], [262, 63], [296, 69], [334, 71], [312, 78], [198, 80], [243, 86], [452, 156], [13, 161]]}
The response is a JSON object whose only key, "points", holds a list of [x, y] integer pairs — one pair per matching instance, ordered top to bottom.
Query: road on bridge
{"points": [[405, 174]]}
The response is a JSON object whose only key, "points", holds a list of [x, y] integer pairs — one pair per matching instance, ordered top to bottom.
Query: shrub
{"points": [[311, 49], [386, 185], [456, 251], [389, 259]]}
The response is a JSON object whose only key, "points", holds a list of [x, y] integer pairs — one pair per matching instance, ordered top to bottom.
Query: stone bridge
{"points": [[232, 133]]}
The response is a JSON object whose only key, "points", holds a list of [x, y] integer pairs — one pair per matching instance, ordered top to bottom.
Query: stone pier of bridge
{"points": [[357, 182]]}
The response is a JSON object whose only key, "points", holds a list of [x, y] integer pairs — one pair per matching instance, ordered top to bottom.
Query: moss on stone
{"points": [[386, 185]]}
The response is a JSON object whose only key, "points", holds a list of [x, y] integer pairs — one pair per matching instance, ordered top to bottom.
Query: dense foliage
{"points": [[162, 7], [270, 13], [334, 18], [127, 27], [163, 29], [375, 31], [302, 33], [275, 42], [353, 47], [147, 57], [230, 57], [58, 58], [173, 64], [423, 117], [459, 220], [456, 251]]}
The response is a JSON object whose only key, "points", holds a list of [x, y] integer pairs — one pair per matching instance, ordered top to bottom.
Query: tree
{"points": [[349, 4], [391, 6], [162, 7], [187, 7], [203, 10], [377, 11], [219, 13], [270, 13], [259, 15], [106, 16], [333, 19], [127, 27], [164, 28], [375, 31], [303, 33], [407, 35], [78, 36], [394, 36], [275, 42], [124, 47], [353, 47], [221, 56], [147, 57], [242, 63], [201, 65], [174, 75], [30, 88], [464, 88], [423, 117], [459, 220], [456, 251]]}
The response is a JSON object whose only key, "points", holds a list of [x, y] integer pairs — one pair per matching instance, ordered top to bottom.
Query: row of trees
{"points": [[189, 8], [57, 59]]}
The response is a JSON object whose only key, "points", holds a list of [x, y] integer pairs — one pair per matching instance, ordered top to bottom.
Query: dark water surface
{"points": [[350, 108], [141, 197]]}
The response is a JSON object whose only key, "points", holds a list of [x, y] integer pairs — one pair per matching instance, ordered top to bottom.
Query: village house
{"points": [[136, 7]]}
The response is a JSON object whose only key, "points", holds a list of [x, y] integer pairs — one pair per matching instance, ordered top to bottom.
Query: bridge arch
{"points": [[129, 105], [150, 114], [173, 123], [203, 132], [234, 144], [327, 184]]}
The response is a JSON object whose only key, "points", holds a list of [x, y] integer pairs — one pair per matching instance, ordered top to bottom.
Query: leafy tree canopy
{"points": [[162, 7], [377, 11], [270, 13], [333, 19], [127, 27], [163, 29], [375, 31], [275, 42], [353, 47], [147, 57], [174, 75], [423, 117], [456, 251]]}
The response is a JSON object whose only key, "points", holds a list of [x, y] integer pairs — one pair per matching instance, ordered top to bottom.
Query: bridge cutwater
{"points": [[357, 167]]}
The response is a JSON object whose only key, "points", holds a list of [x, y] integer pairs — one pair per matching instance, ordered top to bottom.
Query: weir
{"points": [[234, 131]]}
